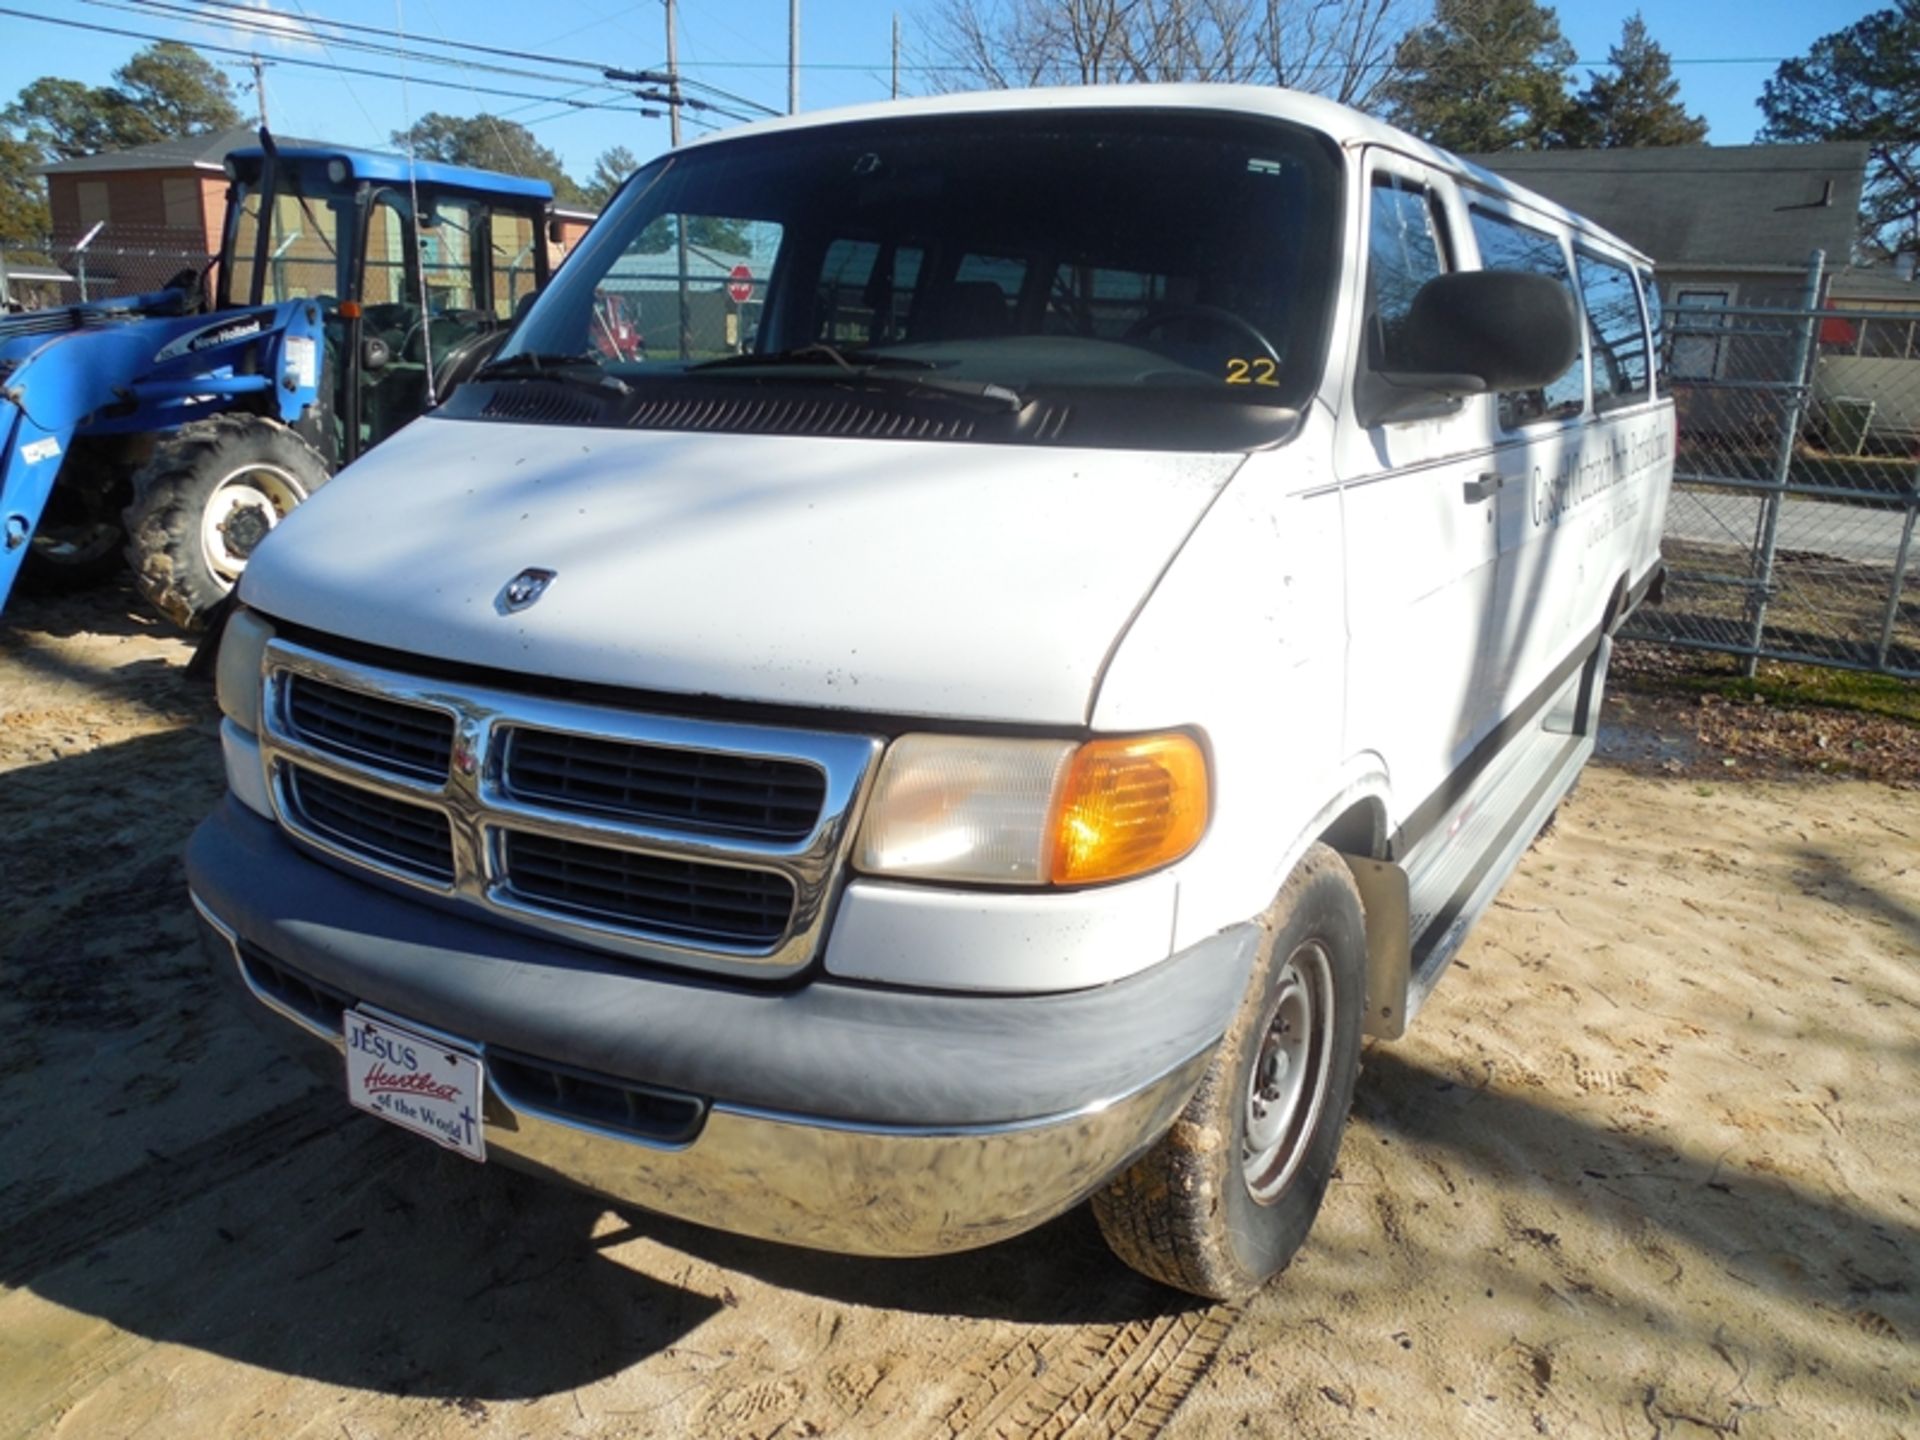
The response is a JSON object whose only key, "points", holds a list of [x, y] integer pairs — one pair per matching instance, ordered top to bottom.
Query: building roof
{"points": [[185, 152], [1704, 207]]}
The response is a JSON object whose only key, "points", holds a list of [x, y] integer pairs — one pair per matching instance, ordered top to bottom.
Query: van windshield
{"points": [[1180, 255]]}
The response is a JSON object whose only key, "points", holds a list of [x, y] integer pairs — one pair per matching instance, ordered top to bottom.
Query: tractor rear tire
{"points": [[212, 491], [80, 539]]}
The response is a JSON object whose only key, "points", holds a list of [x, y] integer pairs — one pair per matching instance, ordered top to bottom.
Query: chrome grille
{"points": [[409, 739], [736, 794], [413, 838], [708, 844], [746, 906]]}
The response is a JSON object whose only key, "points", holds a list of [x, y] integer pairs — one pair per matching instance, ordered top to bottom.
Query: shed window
{"points": [[91, 197], [182, 201], [1506, 245], [1615, 333], [1696, 336]]}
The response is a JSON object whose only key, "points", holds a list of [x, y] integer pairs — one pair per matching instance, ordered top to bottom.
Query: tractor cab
{"points": [[416, 268]]}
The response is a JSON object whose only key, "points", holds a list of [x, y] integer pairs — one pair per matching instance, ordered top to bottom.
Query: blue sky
{"points": [[740, 45]]}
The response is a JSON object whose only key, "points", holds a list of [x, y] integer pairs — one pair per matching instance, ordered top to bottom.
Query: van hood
{"points": [[901, 577]]}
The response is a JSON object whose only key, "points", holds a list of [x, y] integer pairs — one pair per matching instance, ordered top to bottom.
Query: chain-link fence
{"points": [[126, 260], [1790, 533]]}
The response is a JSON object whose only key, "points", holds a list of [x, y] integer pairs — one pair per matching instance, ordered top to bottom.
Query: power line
{"points": [[255, 13], [250, 17], [251, 21], [262, 22], [334, 67]]}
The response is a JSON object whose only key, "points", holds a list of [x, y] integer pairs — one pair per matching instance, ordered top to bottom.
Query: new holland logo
{"points": [[209, 337], [523, 590]]}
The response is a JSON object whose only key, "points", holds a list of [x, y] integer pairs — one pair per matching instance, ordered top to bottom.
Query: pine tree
{"points": [[1485, 75], [1862, 83], [1638, 102]]}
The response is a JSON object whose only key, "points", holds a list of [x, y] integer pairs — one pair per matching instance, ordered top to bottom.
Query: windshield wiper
{"points": [[854, 362], [870, 367], [572, 369]]}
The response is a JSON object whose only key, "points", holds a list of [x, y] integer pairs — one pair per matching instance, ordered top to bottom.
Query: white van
{"points": [[1002, 737]]}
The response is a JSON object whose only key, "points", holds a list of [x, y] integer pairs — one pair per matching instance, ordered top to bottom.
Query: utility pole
{"points": [[896, 54], [793, 57], [260, 87], [679, 221]]}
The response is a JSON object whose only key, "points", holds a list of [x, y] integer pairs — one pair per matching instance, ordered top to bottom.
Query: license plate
{"points": [[418, 1083]]}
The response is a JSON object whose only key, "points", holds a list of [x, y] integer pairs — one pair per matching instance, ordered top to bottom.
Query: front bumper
{"points": [[833, 1116]]}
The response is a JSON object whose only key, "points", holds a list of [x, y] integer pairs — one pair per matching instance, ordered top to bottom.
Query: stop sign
{"points": [[740, 284]]}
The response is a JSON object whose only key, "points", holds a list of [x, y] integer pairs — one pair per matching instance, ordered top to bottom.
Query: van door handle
{"points": [[1483, 486]]}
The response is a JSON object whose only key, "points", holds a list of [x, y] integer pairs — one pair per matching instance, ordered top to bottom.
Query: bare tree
{"points": [[1343, 49]]}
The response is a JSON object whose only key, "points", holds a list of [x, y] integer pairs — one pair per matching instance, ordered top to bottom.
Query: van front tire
{"points": [[1226, 1198]]}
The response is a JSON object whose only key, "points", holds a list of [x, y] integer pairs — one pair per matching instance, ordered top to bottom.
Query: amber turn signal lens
{"points": [[349, 310], [1128, 806]]}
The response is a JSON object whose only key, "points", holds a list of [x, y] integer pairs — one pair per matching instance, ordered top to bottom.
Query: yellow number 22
{"points": [[1259, 371]]}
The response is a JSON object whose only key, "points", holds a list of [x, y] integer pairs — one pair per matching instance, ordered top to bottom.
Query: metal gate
{"points": [[1790, 534]]}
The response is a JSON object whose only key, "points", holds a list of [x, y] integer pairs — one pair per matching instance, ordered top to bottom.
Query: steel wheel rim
{"points": [[242, 509], [1287, 1083]]}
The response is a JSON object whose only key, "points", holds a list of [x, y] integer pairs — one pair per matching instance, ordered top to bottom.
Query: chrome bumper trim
{"points": [[881, 1190]]}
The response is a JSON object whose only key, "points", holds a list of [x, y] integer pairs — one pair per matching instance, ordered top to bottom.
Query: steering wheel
{"points": [[1210, 314]]}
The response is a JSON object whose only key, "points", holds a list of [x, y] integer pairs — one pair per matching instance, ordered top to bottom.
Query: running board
{"points": [[1421, 908]]}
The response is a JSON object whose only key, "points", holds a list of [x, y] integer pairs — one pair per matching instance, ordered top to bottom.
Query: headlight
{"points": [[237, 679], [1034, 812]]}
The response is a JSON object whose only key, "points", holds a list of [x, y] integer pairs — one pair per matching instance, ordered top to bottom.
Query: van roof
{"points": [[1345, 125]]}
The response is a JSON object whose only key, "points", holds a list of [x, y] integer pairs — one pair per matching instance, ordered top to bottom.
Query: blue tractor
{"points": [[352, 292]]}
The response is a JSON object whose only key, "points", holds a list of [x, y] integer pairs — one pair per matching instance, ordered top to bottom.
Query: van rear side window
{"points": [[1505, 245], [1615, 332]]}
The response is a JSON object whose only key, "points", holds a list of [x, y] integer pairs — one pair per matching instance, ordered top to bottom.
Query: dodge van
{"points": [[1079, 607]]}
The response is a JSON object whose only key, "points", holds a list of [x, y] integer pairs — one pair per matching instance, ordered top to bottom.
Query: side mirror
{"points": [[1469, 333], [375, 354]]}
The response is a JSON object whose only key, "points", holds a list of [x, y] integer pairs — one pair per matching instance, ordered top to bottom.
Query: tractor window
{"points": [[448, 231], [302, 252], [514, 276], [385, 281]]}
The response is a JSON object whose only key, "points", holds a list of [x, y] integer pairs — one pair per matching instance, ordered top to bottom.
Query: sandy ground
{"points": [[1648, 1166]]}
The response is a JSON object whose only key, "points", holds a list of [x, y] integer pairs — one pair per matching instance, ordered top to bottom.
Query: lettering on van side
{"points": [[1582, 476]]}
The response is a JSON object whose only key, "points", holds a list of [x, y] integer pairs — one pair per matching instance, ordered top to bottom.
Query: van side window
{"points": [[1505, 245], [1404, 251], [865, 291], [1100, 301], [1656, 325], [1615, 332]]}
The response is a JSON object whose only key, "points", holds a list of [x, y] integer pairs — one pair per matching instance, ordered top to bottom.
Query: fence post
{"points": [[1797, 377], [1899, 576]]}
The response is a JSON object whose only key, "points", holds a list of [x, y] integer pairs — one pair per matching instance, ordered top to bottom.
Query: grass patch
{"points": [[1851, 690]]}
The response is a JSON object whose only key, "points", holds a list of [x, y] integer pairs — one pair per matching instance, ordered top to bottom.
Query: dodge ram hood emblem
{"points": [[523, 589]]}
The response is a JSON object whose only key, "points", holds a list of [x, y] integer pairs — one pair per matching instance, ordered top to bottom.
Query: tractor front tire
{"points": [[209, 495]]}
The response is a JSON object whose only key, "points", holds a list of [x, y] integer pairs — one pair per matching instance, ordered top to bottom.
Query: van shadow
{"points": [[364, 1257]]}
